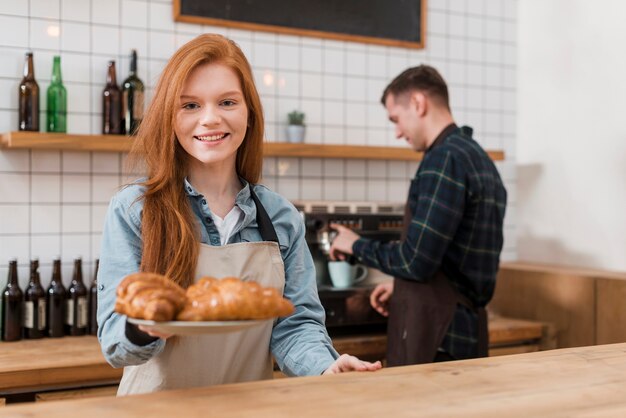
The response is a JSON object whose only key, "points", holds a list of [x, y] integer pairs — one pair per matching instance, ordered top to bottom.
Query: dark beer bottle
{"points": [[29, 98], [132, 98], [57, 100], [112, 104], [12, 299], [55, 301], [93, 302], [34, 304], [76, 314]]}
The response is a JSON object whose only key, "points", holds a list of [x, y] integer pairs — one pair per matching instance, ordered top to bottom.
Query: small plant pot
{"points": [[295, 133]]}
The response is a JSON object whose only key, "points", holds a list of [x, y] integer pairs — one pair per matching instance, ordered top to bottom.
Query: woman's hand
{"points": [[379, 299], [155, 333], [348, 363]]}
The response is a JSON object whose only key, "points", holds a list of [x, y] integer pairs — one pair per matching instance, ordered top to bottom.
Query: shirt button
{"points": [[189, 189], [204, 201], [209, 220], [101, 287]]}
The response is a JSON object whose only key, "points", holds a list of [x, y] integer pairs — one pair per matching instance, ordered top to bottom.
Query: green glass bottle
{"points": [[57, 100]]}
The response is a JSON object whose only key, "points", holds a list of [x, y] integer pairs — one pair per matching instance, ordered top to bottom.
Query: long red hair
{"points": [[169, 229]]}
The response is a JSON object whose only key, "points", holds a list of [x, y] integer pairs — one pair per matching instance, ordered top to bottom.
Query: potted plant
{"points": [[295, 128]]}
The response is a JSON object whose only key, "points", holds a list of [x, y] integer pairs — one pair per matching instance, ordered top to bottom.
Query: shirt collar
{"points": [[446, 131], [189, 189], [243, 198]]}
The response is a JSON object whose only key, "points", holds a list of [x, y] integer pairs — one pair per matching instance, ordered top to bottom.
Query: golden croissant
{"points": [[149, 296], [155, 297], [230, 298]]}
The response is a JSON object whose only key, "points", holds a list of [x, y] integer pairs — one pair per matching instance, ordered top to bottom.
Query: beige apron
{"points": [[204, 360]]}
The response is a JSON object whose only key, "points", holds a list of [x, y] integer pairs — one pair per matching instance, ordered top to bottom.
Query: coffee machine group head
{"points": [[319, 235]]}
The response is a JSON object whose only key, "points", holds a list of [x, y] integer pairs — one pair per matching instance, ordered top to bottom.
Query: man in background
{"points": [[446, 262]]}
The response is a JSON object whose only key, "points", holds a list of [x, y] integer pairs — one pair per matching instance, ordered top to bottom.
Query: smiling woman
{"points": [[212, 119], [199, 212]]}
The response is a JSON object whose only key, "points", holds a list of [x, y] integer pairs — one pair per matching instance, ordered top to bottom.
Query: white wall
{"points": [[571, 147], [53, 202]]}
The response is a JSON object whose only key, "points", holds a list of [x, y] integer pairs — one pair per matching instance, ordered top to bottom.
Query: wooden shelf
{"points": [[122, 143]]}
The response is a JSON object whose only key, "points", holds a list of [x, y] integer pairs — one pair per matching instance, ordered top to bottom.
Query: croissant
{"points": [[149, 296], [230, 298]]}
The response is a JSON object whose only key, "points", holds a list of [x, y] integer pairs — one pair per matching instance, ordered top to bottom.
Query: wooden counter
{"points": [[586, 306], [506, 336], [76, 362], [53, 363], [572, 382]]}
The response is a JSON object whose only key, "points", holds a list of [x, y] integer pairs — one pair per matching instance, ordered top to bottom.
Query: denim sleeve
{"points": [[120, 255], [300, 343]]}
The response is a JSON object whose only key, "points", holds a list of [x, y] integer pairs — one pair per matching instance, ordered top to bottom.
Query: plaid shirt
{"points": [[457, 201]]}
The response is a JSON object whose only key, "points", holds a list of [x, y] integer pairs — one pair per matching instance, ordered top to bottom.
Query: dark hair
{"points": [[422, 78]]}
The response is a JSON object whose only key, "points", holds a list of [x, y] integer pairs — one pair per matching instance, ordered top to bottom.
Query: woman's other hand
{"points": [[348, 363]]}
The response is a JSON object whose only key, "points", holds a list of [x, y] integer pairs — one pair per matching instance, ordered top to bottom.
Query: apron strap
{"points": [[266, 228], [483, 325]]}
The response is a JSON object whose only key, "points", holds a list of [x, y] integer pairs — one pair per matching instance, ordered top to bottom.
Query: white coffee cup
{"points": [[344, 274]]}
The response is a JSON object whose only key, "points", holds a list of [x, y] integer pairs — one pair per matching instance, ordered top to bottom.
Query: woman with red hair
{"points": [[201, 212]]}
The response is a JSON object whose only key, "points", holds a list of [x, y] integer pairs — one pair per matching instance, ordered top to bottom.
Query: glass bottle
{"points": [[132, 98], [57, 100], [28, 116], [112, 123], [12, 299], [55, 301], [93, 302], [34, 304], [76, 305]]}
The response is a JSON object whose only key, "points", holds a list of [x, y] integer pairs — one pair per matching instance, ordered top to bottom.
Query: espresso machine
{"points": [[319, 235], [348, 310]]}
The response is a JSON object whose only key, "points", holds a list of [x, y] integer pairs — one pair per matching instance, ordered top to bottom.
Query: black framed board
{"points": [[385, 22]]}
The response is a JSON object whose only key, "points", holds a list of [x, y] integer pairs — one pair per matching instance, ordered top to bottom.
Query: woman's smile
{"points": [[212, 119], [211, 137]]}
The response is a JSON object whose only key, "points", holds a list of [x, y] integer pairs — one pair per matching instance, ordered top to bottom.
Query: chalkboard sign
{"points": [[385, 22]]}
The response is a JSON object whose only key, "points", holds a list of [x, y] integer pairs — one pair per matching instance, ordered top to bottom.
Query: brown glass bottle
{"points": [[132, 98], [28, 116], [112, 119], [12, 299], [55, 301], [93, 302], [34, 305], [76, 305]]}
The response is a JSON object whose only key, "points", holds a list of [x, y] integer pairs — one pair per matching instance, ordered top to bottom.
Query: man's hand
{"points": [[342, 244], [379, 299], [347, 363]]}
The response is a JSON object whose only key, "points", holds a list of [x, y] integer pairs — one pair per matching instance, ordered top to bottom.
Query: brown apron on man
{"points": [[420, 314]]}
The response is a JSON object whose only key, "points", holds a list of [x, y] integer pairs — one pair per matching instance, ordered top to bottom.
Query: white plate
{"points": [[198, 327]]}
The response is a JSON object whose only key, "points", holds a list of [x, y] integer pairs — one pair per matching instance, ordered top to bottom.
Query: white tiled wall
{"points": [[54, 202]]}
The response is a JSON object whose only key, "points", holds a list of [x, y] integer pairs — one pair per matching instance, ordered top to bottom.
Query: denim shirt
{"points": [[299, 343]]}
